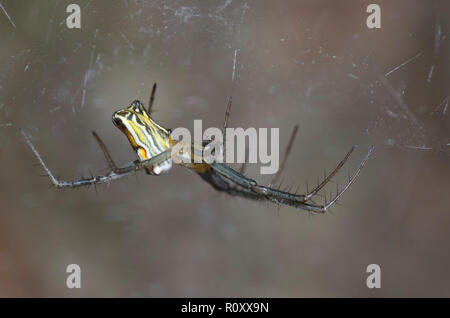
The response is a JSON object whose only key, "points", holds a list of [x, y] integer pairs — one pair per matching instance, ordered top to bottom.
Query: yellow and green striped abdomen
{"points": [[145, 136]]}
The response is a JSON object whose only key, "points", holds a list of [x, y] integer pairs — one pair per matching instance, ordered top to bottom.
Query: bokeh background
{"points": [[312, 63]]}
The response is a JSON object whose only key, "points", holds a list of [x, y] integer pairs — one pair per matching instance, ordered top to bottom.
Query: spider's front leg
{"points": [[134, 165], [116, 173], [67, 184]]}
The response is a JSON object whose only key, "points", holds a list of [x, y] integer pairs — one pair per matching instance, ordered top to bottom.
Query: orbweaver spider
{"points": [[154, 148]]}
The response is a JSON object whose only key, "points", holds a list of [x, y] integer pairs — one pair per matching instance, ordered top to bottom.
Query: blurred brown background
{"points": [[312, 63]]}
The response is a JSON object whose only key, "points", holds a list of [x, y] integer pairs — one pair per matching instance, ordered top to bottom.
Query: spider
{"points": [[154, 147]]}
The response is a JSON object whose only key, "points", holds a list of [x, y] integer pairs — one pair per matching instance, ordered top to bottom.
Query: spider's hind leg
{"points": [[286, 155], [331, 175], [282, 197]]}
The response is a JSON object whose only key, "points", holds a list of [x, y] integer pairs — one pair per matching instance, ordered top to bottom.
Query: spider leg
{"points": [[152, 98], [227, 114], [225, 124], [105, 151], [285, 156], [108, 157], [149, 163], [243, 166], [113, 175], [232, 175], [330, 176], [352, 180], [64, 184], [246, 188], [283, 197], [323, 208]]}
